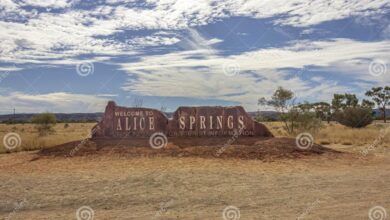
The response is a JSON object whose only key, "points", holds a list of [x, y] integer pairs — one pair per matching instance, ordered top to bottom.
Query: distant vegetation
{"points": [[381, 96], [344, 108], [347, 111], [355, 117], [61, 118], [295, 118], [44, 123], [32, 140]]}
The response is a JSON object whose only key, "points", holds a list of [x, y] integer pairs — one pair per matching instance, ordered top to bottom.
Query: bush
{"points": [[354, 117], [297, 121], [44, 123], [66, 125]]}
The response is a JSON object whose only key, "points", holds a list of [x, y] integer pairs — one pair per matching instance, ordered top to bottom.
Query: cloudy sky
{"points": [[73, 56]]}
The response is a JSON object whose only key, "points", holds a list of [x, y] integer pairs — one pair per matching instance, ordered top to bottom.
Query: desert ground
{"points": [[122, 186]]}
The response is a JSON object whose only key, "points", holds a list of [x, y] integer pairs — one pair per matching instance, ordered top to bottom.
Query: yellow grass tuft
{"points": [[333, 133], [30, 140]]}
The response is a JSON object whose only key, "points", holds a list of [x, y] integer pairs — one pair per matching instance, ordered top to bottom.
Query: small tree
{"points": [[381, 96], [279, 100], [351, 100], [343, 101], [337, 102], [368, 104], [305, 107], [323, 111], [295, 118], [298, 120], [44, 123]]}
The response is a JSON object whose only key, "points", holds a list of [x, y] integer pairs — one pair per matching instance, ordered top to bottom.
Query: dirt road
{"points": [[117, 187]]}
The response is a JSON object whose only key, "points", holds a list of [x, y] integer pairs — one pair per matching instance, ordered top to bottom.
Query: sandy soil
{"points": [[117, 186]]}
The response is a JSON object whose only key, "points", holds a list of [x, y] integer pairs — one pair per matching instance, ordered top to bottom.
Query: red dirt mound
{"points": [[216, 147]]}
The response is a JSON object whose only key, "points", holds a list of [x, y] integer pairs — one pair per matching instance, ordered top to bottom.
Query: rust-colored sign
{"points": [[214, 121], [122, 122]]}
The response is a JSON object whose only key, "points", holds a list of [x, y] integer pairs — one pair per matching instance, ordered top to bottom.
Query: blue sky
{"points": [[74, 56]]}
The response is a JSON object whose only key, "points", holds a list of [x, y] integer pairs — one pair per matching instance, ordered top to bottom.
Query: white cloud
{"points": [[47, 3], [29, 36], [49, 37], [153, 41], [298, 55], [9, 68], [199, 72], [53, 102]]}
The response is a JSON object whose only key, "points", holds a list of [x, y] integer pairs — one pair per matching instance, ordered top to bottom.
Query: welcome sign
{"points": [[122, 122]]}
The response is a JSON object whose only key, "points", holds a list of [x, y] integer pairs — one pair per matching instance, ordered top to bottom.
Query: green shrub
{"points": [[355, 117], [296, 121], [44, 123]]}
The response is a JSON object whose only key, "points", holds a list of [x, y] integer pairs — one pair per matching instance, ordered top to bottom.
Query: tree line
{"points": [[344, 108]]}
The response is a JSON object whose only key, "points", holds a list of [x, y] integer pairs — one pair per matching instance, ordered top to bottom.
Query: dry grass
{"points": [[335, 133], [330, 134], [30, 140], [118, 187], [191, 188]]}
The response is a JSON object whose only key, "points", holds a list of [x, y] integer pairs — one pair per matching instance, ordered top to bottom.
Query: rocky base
{"points": [[243, 148]]}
